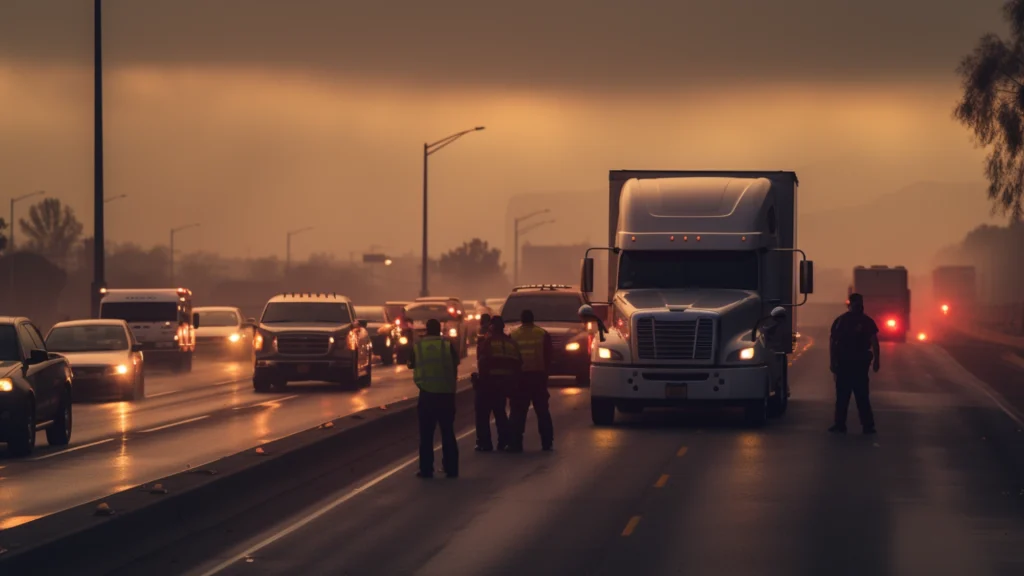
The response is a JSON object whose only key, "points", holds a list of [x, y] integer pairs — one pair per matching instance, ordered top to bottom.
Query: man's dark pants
{"points": [[853, 381], [532, 389], [489, 398], [438, 411]]}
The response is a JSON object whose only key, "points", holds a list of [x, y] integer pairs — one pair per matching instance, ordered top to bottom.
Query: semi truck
{"points": [[702, 290], [886, 293]]}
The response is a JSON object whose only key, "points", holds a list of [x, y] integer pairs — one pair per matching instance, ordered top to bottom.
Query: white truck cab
{"points": [[702, 292], [160, 319]]}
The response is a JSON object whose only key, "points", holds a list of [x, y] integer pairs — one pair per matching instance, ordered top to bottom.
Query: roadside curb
{"points": [[108, 533]]}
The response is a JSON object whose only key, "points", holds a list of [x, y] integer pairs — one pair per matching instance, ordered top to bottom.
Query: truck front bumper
{"points": [[649, 386]]}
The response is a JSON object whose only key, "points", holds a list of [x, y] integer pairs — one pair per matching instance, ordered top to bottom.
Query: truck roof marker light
{"points": [[632, 238], [671, 238], [686, 238], [698, 238], [743, 238]]}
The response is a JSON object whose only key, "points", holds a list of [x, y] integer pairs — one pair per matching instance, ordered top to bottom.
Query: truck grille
{"points": [[675, 339], [303, 344]]}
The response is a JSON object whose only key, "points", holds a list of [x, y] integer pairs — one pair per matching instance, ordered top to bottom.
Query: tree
{"points": [[52, 229], [473, 260]]}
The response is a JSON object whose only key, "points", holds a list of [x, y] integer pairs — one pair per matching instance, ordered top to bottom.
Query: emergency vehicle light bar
{"points": [[541, 287]]}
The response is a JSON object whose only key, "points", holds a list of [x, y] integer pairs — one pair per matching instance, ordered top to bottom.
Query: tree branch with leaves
{"points": [[992, 107], [52, 229]]}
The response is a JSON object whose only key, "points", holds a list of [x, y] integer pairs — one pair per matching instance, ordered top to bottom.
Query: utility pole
{"points": [[429, 149], [98, 238], [515, 240]]}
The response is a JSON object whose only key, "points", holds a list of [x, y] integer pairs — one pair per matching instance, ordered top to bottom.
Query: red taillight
{"points": [[945, 308], [891, 323]]}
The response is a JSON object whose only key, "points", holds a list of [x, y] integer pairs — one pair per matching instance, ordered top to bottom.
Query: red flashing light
{"points": [[945, 308], [891, 323], [922, 336]]}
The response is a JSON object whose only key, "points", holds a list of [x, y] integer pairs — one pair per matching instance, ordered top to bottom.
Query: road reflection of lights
{"points": [[572, 391], [122, 417], [608, 438], [122, 466], [12, 521]]}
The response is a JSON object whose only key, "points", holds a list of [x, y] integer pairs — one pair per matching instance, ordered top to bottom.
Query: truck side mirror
{"points": [[587, 276], [806, 277], [779, 313], [587, 314], [195, 320]]}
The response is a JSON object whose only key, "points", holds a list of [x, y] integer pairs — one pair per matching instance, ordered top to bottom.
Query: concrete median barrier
{"points": [[230, 494]]}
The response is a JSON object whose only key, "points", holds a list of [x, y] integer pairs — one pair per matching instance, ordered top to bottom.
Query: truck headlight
{"points": [[572, 346], [608, 354], [747, 354], [6, 385]]}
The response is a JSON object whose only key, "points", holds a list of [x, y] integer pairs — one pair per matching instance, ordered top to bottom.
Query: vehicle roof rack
{"points": [[541, 287]]}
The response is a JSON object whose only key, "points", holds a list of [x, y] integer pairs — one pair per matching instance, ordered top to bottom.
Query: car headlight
{"points": [[453, 333], [235, 337], [403, 340], [387, 342], [572, 346], [608, 354], [747, 354], [118, 369], [6, 385]]}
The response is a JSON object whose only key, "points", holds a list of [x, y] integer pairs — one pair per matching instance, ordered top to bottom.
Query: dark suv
{"points": [[555, 309], [384, 334], [304, 337]]}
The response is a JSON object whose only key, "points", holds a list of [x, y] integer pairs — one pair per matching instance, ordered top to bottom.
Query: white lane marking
{"points": [[956, 372], [162, 394], [268, 402], [173, 424], [89, 445], [321, 511]]}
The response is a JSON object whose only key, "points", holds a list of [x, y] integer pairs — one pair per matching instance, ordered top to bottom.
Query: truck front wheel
{"points": [[602, 411]]}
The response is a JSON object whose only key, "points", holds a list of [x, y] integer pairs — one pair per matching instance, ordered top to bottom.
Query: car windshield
{"points": [[674, 269], [546, 308], [394, 310], [140, 311], [424, 312], [307, 313], [371, 313], [208, 318], [87, 339], [9, 344]]}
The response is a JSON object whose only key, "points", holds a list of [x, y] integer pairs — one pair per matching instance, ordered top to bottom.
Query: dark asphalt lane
{"points": [[185, 421], [939, 491]]}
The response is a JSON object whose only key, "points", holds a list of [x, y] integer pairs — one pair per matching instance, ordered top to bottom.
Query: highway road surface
{"points": [[185, 421], [940, 490]]}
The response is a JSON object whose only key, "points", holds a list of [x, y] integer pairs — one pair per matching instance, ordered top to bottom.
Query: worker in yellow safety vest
{"points": [[535, 346], [499, 363], [435, 371]]}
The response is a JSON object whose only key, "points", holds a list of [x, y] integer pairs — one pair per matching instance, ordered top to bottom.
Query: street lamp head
{"points": [[479, 128]]}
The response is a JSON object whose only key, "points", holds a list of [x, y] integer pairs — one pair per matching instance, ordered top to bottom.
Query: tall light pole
{"points": [[428, 149], [173, 232], [10, 239], [98, 239], [515, 240], [10, 244], [288, 247]]}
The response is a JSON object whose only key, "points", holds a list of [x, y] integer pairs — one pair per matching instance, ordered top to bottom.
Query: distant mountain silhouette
{"points": [[907, 227]]}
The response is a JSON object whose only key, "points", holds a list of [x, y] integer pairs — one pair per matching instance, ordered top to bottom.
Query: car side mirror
{"points": [[587, 275], [806, 277], [195, 320], [363, 323], [136, 347], [38, 356]]}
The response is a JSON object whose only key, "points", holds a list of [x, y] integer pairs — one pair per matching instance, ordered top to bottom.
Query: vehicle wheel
{"points": [[388, 358], [367, 379], [583, 380], [261, 383], [142, 385], [778, 404], [602, 411], [756, 414], [59, 434], [22, 440]]}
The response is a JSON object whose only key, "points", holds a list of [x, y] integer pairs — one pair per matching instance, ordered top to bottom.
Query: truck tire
{"points": [[367, 379], [261, 383], [779, 403], [602, 411], [756, 413]]}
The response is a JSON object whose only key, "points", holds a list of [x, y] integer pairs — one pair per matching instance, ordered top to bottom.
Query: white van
{"points": [[160, 319]]}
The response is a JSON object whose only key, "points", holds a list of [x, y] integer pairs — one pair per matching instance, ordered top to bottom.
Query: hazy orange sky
{"points": [[255, 116]]}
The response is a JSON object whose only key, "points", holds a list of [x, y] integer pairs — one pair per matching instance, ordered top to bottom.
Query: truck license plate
{"points": [[302, 368], [675, 390]]}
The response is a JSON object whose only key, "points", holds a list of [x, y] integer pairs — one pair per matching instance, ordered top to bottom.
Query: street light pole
{"points": [[429, 149], [173, 232], [98, 238], [515, 242], [288, 247]]}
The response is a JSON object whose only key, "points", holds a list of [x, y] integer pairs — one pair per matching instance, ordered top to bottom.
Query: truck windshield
{"points": [[669, 269], [140, 311], [307, 313]]}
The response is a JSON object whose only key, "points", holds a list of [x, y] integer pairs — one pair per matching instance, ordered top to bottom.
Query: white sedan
{"points": [[105, 359]]}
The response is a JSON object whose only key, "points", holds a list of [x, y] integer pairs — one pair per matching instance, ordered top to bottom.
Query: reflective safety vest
{"points": [[531, 345], [502, 357], [434, 368]]}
